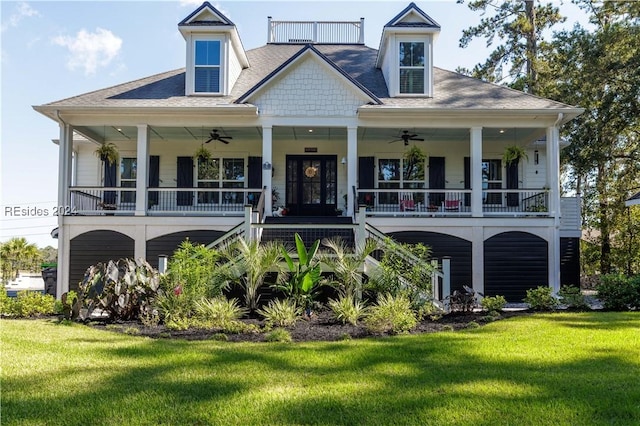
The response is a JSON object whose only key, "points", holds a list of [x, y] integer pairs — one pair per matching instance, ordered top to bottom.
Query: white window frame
{"points": [[425, 81], [191, 83], [400, 182], [219, 197]]}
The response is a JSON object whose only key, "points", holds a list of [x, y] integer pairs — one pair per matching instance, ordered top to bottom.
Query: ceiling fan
{"points": [[215, 136], [406, 137]]}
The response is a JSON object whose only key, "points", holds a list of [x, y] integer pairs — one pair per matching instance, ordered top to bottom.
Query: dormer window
{"points": [[412, 67], [208, 74]]}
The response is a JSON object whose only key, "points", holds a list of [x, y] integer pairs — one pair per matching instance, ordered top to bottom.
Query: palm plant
{"points": [[17, 254], [248, 265], [348, 265]]}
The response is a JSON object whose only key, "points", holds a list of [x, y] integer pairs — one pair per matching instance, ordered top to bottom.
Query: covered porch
{"points": [[314, 169]]}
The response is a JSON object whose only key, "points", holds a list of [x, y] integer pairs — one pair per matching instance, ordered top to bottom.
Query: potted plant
{"points": [[107, 152], [202, 154], [513, 154]]}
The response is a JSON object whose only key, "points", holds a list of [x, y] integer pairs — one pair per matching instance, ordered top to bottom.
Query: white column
{"points": [[65, 150], [267, 158], [352, 166], [476, 171], [142, 177], [64, 181], [553, 182], [140, 242], [477, 259]]}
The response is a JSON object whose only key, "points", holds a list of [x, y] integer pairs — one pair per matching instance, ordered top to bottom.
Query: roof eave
{"points": [[56, 111], [372, 111]]}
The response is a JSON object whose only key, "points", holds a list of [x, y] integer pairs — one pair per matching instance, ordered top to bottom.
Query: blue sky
{"points": [[53, 50]]}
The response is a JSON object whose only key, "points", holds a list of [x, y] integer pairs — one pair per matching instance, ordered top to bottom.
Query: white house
{"points": [[324, 122]]}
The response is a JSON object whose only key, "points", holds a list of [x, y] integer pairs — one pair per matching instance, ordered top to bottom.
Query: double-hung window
{"points": [[412, 67], [208, 73], [220, 173], [398, 173]]}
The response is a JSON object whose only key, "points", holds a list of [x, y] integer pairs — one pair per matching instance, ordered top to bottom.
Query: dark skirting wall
{"points": [[167, 244], [444, 245], [96, 246], [570, 261], [513, 263]]}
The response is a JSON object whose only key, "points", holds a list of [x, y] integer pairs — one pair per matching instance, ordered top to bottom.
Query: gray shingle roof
{"points": [[451, 90]]}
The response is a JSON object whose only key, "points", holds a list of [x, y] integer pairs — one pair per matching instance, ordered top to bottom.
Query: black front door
{"points": [[311, 185]]}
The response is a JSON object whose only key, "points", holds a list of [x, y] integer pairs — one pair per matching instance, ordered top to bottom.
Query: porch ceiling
{"points": [[522, 136]]}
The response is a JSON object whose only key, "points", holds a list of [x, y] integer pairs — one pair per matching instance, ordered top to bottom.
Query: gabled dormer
{"points": [[406, 53], [215, 56]]}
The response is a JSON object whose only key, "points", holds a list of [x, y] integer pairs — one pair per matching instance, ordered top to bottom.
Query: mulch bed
{"points": [[320, 327]]}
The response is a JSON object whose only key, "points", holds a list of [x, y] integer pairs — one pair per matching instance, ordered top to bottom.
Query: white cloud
{"points": [[21, 11], [90, 51]]}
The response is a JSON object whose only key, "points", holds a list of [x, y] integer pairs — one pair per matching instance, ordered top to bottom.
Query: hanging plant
{"points": [[107, 152], [202, 154], [513, 154]]}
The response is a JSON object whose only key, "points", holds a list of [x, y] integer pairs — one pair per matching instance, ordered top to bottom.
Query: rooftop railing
{"points": [[319, 32]]}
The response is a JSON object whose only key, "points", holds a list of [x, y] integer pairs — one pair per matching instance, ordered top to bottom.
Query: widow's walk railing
{"points": [[305, 32]]}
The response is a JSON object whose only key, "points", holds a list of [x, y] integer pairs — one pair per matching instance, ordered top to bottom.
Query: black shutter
{"points": [[110, 179], [154, 179], [254, 179], [366, 179], [185, 180], [436, 180], [467, 180], [512, 183]]}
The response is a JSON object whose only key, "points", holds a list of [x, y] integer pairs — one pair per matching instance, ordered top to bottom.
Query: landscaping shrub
{"points": [[193, 268], [397, 275], [302, 280], [125, 289], [619, 293], [572, 297], [541, 299], [493, 303], [26, 304], [173, 305], [219, 310], [347, 310], [281, 313], [391, 315], [278, 335]]}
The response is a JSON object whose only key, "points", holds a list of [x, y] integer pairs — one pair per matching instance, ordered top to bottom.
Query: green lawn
{"points": [[548, 369]]}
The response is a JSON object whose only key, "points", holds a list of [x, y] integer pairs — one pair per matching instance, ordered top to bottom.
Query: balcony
{"points": [[306, 32]]}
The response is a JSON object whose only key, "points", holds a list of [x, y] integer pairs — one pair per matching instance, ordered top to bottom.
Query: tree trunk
{"points": [[532, 47], [603, 207]]}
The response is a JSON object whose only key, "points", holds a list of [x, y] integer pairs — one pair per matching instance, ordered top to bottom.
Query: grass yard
{"points": [[546, 369]]}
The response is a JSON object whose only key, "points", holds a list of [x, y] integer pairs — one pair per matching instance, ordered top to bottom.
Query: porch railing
{"points": [[303, 32], [89, 201], [163, 201], [453, 202]]}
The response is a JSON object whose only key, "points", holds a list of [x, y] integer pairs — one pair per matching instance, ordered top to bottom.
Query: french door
{"points": [[311, 185]]}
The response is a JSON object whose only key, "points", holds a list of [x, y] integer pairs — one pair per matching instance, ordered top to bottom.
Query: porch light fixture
{"points": [[501, 130], [536, 157], [344, 160], [266, 165]]}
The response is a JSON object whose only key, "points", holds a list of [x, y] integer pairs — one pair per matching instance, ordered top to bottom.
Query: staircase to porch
{"points": [[310, 228]]}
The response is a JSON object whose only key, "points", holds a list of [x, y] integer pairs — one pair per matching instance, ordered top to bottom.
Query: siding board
{"points": [[167, 244], [444, 245], [96, 246], [513, 263]]}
